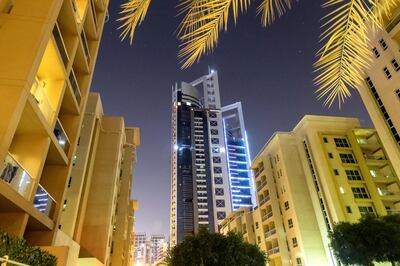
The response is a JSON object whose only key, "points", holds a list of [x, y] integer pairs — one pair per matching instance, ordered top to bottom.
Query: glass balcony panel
{"points": [[93, 8], [76, 11], [60, 44], [85, 46], [75, 86], [42, 100], [61, 136], [16, 176], [44, 202]]}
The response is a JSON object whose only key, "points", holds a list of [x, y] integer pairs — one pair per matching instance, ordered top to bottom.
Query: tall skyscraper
{"points": [[238, 157], [201, 187]]}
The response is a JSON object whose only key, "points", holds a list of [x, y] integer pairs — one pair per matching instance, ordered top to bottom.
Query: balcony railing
{"points": [[93, 8], [60, 44], [85, 46], [75, 86], [42, 100], [61, 136], [374, 157], [259, 171], [16, 176], [261, 185], [384, 192], [265, 199], [44, 202], [268, 215], [270, 232], [273, 250]]}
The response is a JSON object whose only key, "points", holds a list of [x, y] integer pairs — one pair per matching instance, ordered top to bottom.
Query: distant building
{"points": [[327, 170], [205, 187], [157, 243], [140, 248]]}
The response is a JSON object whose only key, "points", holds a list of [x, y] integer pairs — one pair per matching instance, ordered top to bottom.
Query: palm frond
{"points": [[272, 9], [382, 9], [132, 15], [201, 25], [345, 54]]}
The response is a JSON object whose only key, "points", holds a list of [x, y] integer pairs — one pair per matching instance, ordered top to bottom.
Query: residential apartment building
{"points": [[48, 51], [381, 89], [327, 170], [240, 221], [157, 245], [140, 249]]}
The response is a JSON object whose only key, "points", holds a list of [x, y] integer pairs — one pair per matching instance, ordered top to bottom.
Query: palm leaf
{"points": [[270, 9], [132, 14], [201, 25], [345, 53]]}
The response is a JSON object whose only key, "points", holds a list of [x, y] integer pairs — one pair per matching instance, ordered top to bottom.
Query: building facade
{"points": [[380, 91], [327, 170], [200, 192], [157, 244], [140, 247]]}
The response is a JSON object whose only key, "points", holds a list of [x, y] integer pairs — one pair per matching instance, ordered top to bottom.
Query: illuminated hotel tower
{"points": [[201, 186]]}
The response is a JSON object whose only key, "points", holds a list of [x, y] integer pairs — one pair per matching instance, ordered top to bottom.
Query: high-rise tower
{"points": [[201, 191]]}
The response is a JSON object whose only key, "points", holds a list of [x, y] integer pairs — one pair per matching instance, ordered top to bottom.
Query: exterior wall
{"points": [[45, 78], [382, 101], [240, 221]]}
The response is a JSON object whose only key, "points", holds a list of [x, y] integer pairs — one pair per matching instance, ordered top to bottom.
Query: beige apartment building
{"points": [[381, 89], [328, 169], [240, 221]]}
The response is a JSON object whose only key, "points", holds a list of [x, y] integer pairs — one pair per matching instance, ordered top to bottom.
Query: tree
{"points": [[340, 61], [371, 239], [206, 249]]}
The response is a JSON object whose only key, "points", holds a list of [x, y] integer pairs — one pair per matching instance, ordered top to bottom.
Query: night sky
{"points": [[268, 70]]}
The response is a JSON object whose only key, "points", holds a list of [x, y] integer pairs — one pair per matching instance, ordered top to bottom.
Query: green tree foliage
{"points": [[371, 239], [206, 249], [18, 250]]}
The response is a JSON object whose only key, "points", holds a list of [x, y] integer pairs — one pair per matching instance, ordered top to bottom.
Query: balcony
{"points": [[60, 45], [85, 47], [75, 86], [43, 102], [61, 136], [375, 160], [17, 177], [385, 179], [261, 185], [386, 195], [264, 200], [44, 202], [392, 211], [267, 216], [270, 232], [273, 251]]}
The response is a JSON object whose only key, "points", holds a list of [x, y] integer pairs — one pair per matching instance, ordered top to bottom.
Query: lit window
{"points": [[383, 44], [376, 52], [395, 65], [387, 73], [215, 150], [360, 192]]}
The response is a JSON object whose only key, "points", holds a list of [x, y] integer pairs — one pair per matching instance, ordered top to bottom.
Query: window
{"points": [[383, 44], [376, 52], [395, 65], [387, 73], [397, 93], [213, 115], [213, 123], [214, 131], [325, 140], [214, 141], [341, 143], [215, 149], [330, 155], [347, 158], [216, 159], [217, 170], [336, 171], [353, 174], [218, 180], [70, 181], [219, 191], [360, 192], [220, 203], [286, 205], [348, 209], [366, 210], [221, 215], [290, 223], [256, 225], [258, 239], [294, 242], [298, 261]]}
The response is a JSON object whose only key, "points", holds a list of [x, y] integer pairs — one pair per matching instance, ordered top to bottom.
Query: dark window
{"points": [[383, 44], [376, 52], [395, 65], [387, 73], [397, 93], [213, 115], [213, 123], [214, 131], [325, 140], [214, 141], [341, 143], [330, 155], [347, 158], [216, 159], [217, 170], [336, 171], [353, 174], [218, 180], [70, 181], [219, 191], [360, 192], [220, 203], [286, 205], [348, 208], [366, 210], [221, 215], [290, 223], [256, 225], [258, 239], [294, 241], [298, 261]]}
